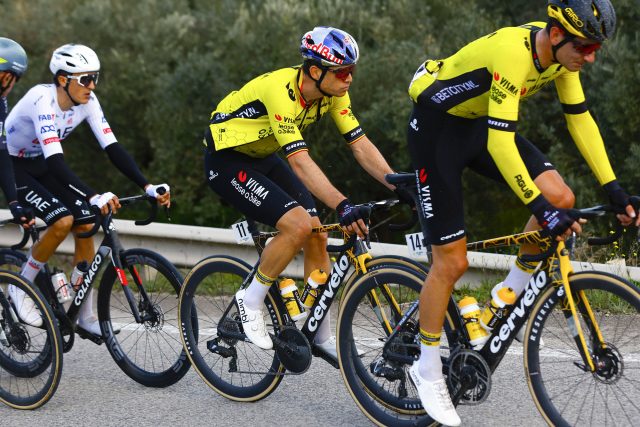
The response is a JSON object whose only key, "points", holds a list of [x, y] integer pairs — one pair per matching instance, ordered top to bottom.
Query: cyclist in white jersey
{"points": [[36, 126]]}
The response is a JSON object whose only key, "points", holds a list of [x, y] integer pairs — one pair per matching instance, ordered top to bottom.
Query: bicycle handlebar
{"points": [[153, 212]]}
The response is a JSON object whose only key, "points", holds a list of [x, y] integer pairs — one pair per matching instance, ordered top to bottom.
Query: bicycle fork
{"points": [[571, 311]]}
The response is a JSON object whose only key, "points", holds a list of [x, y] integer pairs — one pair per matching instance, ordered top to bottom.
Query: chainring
{"points": [[293, 350], [469, 377]]}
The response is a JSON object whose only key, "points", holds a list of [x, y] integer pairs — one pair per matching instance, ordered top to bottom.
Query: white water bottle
{"points": [[77, 276], [62, 288]]}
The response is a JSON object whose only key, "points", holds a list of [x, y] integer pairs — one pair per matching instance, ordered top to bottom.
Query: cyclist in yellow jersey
{"points": [[267, 115], [465, 115]]}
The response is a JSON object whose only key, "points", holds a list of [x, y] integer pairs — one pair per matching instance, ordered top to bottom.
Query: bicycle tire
{"points": [[211, 286], [150, 352], [30, 357], [555, 374], [383, 401]]}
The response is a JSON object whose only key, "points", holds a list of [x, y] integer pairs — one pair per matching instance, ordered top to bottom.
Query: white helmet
{"points": [[74, 58]]}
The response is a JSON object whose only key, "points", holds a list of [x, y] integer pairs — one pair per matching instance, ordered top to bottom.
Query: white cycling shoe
{"points": [[25, 307], [253, 323], [90, 325], [435, 398]]}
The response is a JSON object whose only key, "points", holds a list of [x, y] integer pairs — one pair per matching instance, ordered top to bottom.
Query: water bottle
{"points": [[77, 276], [316, 280], [62, 288], [289, 292], [502, 299], [470, 312]]}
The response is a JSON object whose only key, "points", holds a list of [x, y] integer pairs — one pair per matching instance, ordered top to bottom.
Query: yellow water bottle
{"points": [[312, 289], [289, 292], [502, 299], [470, 311]]}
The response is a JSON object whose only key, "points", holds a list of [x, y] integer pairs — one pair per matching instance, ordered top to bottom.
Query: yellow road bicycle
{"points": [[586, 373]]}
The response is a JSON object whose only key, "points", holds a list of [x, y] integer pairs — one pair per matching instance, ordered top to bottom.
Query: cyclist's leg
{"points": [[440, 147], [242, 181], [552, 186], [53, 212], [314, 247]]}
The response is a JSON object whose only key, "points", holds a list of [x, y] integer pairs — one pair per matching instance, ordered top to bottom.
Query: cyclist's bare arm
{"points": [[371, 160], [314, 179], [319, 185]]}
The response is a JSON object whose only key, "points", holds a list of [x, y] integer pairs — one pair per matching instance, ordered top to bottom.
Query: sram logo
{"points": [[337, 273], [536, 284]]}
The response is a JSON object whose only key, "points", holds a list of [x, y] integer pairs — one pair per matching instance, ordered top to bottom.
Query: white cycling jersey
{"points": [[36, 125]]}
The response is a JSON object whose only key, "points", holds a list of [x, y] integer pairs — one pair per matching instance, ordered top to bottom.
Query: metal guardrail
{"points": [[185, 245]]}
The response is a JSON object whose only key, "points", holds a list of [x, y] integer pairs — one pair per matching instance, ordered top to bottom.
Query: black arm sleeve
{"points": [[125, 163], [60, 170], [7, 179]]}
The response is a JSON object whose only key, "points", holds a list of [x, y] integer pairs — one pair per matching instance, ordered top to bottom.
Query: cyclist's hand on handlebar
{"points": [[156, 191], [620, 200], [105, 201], [23, 216], [353, 218], [559, 222]]}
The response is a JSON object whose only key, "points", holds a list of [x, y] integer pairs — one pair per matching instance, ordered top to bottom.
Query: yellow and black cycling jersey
{"points": [[487, 79], [269, 113]]}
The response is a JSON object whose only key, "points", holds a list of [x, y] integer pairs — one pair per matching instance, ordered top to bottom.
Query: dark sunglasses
{"points": [[585, 49], [344, 72], [86, 79]]}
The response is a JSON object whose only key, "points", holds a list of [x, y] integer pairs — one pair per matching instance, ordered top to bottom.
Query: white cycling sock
{"points": [[31, 268], [519, 276], [257, 290], [85, 314], [324, 330], [430, 364]]}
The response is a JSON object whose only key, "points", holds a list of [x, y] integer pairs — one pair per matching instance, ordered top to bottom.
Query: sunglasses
{"points": [[585, 49], [344, 72], [86, 79]]}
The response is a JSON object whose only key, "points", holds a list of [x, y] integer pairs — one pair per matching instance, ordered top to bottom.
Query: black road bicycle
{"points": [[137, 304], [217, 346], [30, 356], [586, 373]]}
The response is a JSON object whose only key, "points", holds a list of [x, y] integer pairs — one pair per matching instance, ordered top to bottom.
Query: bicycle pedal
{"points": [[86, 335]]}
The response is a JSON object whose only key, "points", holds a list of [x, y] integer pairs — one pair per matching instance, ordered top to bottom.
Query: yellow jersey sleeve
{"points": [[508, 77], [344, 119], [582, 126]]}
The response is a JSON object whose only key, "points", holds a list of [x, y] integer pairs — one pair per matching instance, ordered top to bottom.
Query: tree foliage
{"points": [[166, 64]]}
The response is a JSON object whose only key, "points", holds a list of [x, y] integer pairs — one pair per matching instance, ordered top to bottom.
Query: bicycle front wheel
{"points": [[149, 350], [30, 357], [236, 369], [379, 381], [563, 387]]}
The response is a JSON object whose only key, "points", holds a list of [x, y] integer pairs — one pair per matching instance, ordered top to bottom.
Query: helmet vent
{"points": [[337, 39]]}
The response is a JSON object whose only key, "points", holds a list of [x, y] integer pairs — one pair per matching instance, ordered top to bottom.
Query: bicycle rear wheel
{"points": [[150, 351], [30, 357], [236, 369], [379, 383], [565, 391]]}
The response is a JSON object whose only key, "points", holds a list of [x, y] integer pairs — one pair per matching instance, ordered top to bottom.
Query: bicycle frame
{"points": [[554, 270]]}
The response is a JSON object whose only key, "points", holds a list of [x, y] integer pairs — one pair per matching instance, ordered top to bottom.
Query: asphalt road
{"points": [[93, 391]]}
